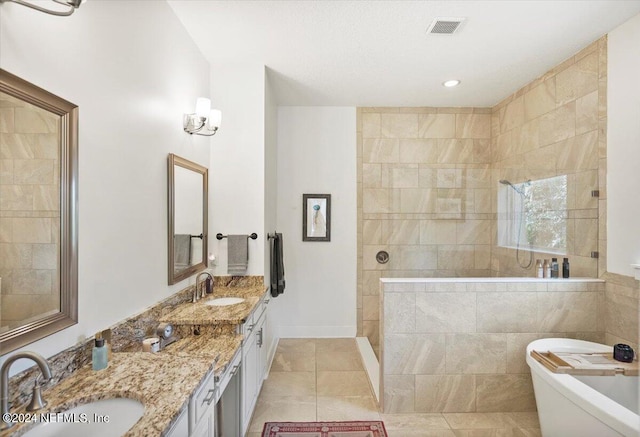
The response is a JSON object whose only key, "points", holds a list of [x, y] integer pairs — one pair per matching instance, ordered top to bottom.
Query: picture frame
{"points": [[316, 217]]}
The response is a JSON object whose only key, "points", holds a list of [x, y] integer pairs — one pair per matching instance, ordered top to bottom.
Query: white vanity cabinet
{"points": [[254, 360], [202, 409], [181, 427]]}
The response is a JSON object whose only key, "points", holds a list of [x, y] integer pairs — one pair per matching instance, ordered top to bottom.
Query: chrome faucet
{"points": [[196, 293], [4, 382]]}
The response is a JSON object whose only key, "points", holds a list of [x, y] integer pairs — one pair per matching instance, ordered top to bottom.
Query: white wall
{"points": [[132, 77], [623, 148], [317, 154], [270, 168], [236, 172]]}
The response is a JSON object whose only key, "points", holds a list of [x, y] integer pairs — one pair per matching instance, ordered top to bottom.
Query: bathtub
{"points": [[583, 406]]}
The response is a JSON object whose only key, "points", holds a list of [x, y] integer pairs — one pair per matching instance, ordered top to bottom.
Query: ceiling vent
{"points": [[445, 25]]}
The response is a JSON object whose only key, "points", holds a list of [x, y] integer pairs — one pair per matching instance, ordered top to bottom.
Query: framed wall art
{"points": [[316, 217]]}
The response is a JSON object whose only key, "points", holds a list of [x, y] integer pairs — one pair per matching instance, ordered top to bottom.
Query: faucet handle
{"points": [[37, 402]]}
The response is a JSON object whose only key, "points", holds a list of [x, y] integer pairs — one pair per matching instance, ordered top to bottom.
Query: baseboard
{"points": [[316, 331], [271, 354], [370, 363]]}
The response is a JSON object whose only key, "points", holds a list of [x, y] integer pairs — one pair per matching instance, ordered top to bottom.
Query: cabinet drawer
{"points": [[203, 398]]}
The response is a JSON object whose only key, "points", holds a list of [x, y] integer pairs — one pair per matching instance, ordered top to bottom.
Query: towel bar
{"points": [[253, 236]]}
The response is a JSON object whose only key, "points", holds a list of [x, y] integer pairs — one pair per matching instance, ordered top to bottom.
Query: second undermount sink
{"points": [[224, 301], [105, 418]]}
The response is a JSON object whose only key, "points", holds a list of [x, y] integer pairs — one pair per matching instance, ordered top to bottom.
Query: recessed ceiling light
{"points": [[451, 83]]}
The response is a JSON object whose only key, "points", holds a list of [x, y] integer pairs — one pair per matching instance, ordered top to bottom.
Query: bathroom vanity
{"points": [[202, 385]]}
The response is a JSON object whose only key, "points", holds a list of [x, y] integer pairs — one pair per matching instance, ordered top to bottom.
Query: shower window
{"points": [[532, 215]]}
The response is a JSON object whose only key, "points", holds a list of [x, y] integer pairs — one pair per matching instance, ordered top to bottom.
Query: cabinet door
{"points": [[249, 379], [181, 427], [205, 427]]}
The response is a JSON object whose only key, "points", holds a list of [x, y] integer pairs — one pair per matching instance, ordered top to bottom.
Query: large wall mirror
{"points": [[188, 195], [38, 213]]}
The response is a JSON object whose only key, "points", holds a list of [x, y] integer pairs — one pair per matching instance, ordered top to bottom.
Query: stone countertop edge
{"points": [[500, 279], [200, 313], [165, 381]]}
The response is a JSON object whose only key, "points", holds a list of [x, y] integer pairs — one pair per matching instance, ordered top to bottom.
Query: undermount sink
{"points": [[224, 301], [105, 418]]}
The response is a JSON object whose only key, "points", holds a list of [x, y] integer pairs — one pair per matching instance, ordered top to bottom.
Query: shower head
{"points": [[517, 190]]}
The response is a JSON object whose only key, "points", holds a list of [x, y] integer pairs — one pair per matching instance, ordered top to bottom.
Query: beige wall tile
{"points": [[577, 80], [540, 99], [587, 113], [513, 115], [7, 120], [32, 120], [371, 125], [399, 125], [437, 125], [558, 125], [473, 126], [17, 146], [46, 146], [380, 150], [422, 151], [455, 151], [481, 151], [579, 153], [6, 171], [34, 171], [371, 176], [404, 176], [476, 177], [449, 178], [46, 197], [16, 198], [375, 200], [417, 200], [31, 230], [401, 232], [437, 232], [473, 232], [586, 236], [15, 256], [45, 256], [418, 257], [456, 257], [32, 281], [371, 282], [370, 308], [445, 312], [507, 312], [562, 312], [400, 313], [621, 314], [517, 350], [489, 352], [414, 354], [444, 393], [504, 393], [399, 394]]}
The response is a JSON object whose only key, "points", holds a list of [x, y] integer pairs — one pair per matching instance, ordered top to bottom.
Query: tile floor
{"points": [[323, 380]]}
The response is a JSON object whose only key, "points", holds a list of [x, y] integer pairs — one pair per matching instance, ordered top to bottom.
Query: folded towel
{"points": [[182, 250], [237, 254], [277, 265]]}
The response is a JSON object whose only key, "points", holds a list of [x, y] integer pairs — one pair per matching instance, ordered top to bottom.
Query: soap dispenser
{"points": [[99, 354]]}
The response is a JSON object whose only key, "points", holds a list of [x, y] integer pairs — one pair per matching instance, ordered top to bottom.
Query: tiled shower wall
{"points": [[556, 125], [428, 179], [424, 197], [29, 211]]}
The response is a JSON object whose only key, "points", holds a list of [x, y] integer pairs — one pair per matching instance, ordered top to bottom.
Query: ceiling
{"points": [[378, 53]]}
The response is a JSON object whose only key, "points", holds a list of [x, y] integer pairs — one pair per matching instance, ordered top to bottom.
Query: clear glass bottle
{"points": [[99, 355]]}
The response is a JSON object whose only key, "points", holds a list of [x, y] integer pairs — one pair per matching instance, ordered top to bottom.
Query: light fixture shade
{"points": [[203, 107], [215, 118]]}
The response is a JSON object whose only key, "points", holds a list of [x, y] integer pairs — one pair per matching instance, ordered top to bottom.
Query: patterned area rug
{"points": [[324, 429]]}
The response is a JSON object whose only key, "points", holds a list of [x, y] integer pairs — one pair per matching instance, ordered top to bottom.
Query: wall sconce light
{"points": [[72, 4], [205, 121]]}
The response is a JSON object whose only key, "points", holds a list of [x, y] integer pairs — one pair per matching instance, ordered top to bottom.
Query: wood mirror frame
{"points": [[173, 162], [67, 267]]}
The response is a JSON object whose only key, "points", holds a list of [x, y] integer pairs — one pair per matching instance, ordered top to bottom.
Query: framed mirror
{"points": [[188, 194], [38, 213]]}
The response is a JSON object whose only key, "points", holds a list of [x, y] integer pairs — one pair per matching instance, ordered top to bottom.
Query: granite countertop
{"points": [[200, 313], [164, 381]]}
